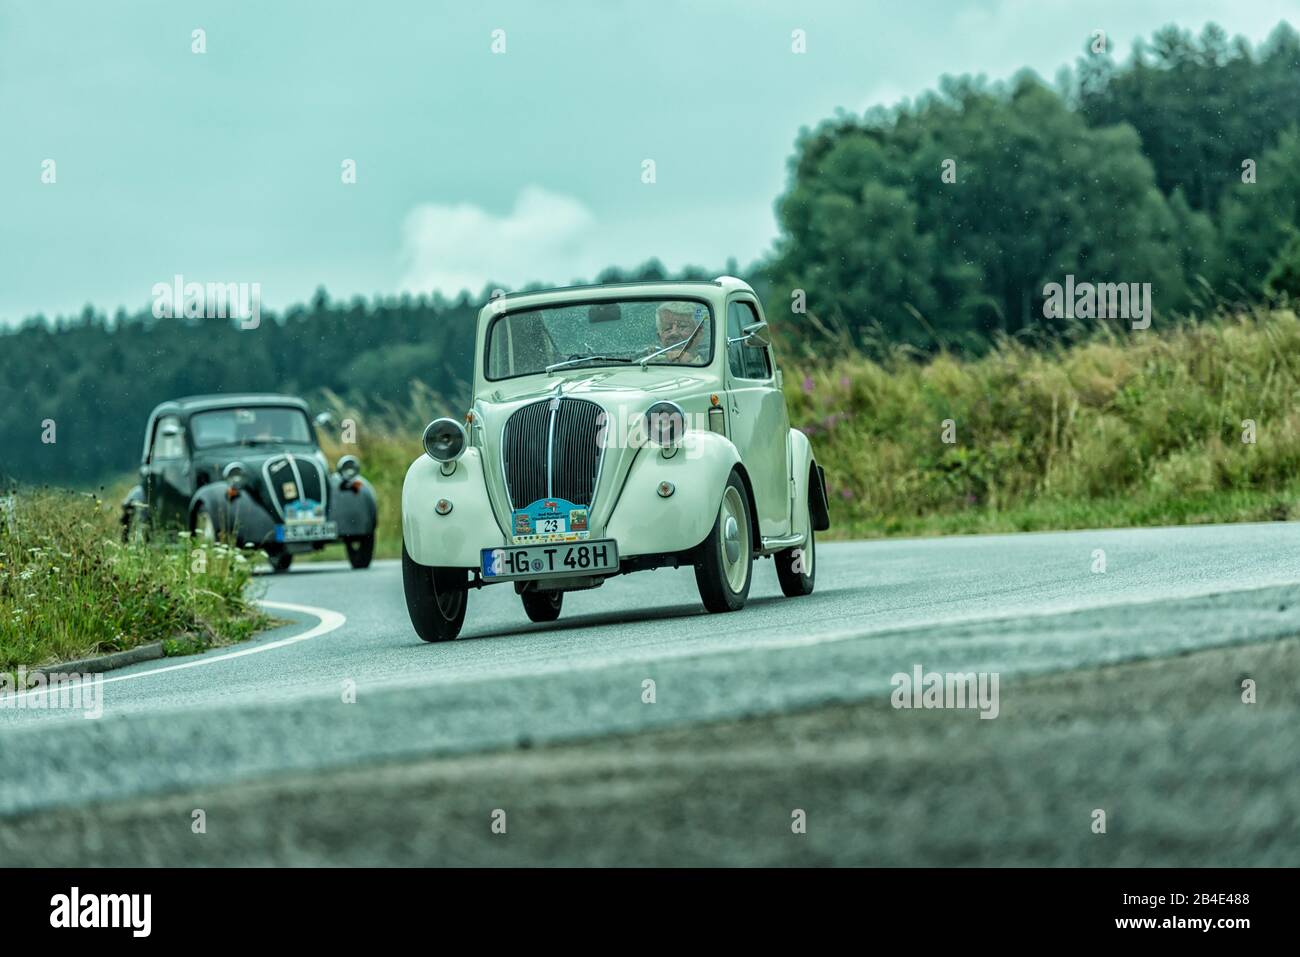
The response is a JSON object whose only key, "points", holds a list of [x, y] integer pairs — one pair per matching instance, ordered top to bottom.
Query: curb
{"points": [[118, 659]]}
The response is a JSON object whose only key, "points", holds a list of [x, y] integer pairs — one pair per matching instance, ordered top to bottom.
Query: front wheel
{"points": [[360, 550], [280, 561], [724, 563], [435, 598], [543, 605]]}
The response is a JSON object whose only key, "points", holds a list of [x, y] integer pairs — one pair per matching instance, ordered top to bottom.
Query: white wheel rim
{"points": [[734, 540]]}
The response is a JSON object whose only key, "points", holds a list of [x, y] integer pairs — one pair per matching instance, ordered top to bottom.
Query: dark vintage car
{"points": [[248, 469]]}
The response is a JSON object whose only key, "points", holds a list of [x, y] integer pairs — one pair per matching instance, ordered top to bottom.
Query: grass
{"points": [[1191, 425], [1131, 429], [69, 588]]}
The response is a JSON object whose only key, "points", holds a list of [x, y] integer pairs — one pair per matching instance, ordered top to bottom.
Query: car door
{"points": [[759, 425], [169, 482]]}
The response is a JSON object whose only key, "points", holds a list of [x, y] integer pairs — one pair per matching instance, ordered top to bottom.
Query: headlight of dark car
{"points": [[349, 467], [235, 475]]}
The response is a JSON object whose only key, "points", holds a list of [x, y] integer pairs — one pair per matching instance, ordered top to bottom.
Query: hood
{"points": [[623, 394]]}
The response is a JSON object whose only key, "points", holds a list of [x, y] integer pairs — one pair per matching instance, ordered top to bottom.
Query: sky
{"points": [[470, 165]]}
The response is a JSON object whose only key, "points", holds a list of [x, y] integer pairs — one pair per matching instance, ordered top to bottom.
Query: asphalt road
{"points": [[281, 705]]}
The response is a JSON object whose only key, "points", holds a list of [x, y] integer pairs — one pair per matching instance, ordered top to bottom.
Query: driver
{"points": [[675, 321]]}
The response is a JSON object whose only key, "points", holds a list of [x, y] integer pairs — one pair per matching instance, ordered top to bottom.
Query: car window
{"points": [[591, 334], [746, 361], [258, 425], [168, 446]]}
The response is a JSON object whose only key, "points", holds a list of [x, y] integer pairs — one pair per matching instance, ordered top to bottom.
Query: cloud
{"points": [[463, 246]]}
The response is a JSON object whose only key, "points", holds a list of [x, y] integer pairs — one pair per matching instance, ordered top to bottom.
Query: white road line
{"points": [[329, 621]]}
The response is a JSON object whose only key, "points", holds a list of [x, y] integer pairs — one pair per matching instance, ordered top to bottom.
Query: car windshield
{"points": [[610, 332], [261, 425]]}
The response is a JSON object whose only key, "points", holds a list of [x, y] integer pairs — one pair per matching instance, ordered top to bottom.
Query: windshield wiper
{"points": [[676, 345], [572, 362]]}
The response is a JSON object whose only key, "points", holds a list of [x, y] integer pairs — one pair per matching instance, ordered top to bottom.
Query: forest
{"points": [[931, 227]]}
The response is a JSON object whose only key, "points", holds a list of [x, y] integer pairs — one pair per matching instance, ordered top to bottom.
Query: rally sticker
{"points": [[550, 520]]}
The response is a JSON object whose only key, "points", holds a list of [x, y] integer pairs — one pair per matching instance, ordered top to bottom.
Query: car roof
{"points": [[667, 288], [189, 404]]}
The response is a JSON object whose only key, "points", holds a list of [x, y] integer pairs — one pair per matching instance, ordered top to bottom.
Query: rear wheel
{"points": [[360, 550], [280, 561], [724, 563], [795, 567], [435, 598], [543, 605]]}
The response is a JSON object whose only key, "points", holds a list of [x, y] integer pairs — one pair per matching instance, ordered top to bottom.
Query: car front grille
{"points": [[551, 449], [297, 473]]}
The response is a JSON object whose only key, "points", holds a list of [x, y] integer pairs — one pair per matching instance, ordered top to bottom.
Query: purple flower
{"points": [[844, 382], [807, 385], [846, 493]]}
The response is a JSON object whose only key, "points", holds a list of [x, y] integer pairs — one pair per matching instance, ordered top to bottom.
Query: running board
{"points": [[780, 542]]}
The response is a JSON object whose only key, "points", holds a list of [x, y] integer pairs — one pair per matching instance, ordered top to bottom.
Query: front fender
{"points": [[355, 512], [242, 517], [645, 523], [452, 540]]}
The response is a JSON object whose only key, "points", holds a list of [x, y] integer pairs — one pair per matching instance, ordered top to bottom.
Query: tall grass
{"points": [[1121, 428], [1133, 428], [69, 588]]}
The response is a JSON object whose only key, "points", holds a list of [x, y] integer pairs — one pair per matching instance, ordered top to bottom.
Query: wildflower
{"points": [[807, 385]]}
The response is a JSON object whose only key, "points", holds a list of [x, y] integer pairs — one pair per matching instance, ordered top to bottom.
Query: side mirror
{"points": [[757, 334], [324, 421]]}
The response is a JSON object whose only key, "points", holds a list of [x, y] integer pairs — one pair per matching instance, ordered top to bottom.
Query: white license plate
{"points": [[307, 532], [542, 561]]}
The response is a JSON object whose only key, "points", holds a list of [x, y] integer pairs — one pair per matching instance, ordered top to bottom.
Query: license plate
{"points": [[307, 532], [542, 561]]}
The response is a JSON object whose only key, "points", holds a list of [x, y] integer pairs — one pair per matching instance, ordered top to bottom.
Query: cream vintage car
{"points": [[614, 429]]}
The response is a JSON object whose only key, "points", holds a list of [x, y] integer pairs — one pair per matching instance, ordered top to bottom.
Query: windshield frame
{"points": [[595, 364], [189, 429]]}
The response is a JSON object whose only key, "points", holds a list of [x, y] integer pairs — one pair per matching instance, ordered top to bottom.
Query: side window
{"points": [[735, 350], [749, 362], [168, 439]]}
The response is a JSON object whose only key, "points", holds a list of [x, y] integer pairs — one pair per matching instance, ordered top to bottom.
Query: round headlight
{"points": [[665, 423], [444, 440], [349, 467], [234, 474]]}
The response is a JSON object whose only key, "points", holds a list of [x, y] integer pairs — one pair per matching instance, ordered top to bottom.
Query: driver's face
{"points": [[674, 327]]}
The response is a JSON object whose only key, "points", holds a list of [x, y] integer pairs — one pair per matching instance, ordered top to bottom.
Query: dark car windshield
{"points": [[609, 332], [259, 425]]}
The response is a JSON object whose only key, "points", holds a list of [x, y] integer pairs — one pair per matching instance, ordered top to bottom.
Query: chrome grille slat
{"points": [[552, 455]]}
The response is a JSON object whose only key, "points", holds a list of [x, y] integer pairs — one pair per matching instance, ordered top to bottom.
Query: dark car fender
{"points": [[355, 512], [242, 515]]}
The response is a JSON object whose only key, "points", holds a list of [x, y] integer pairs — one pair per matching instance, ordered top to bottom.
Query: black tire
{"points": [[135, 529], [360, 550], [280, 561], [717, 569], [797, 573], [435, 598], [543, 605]]}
